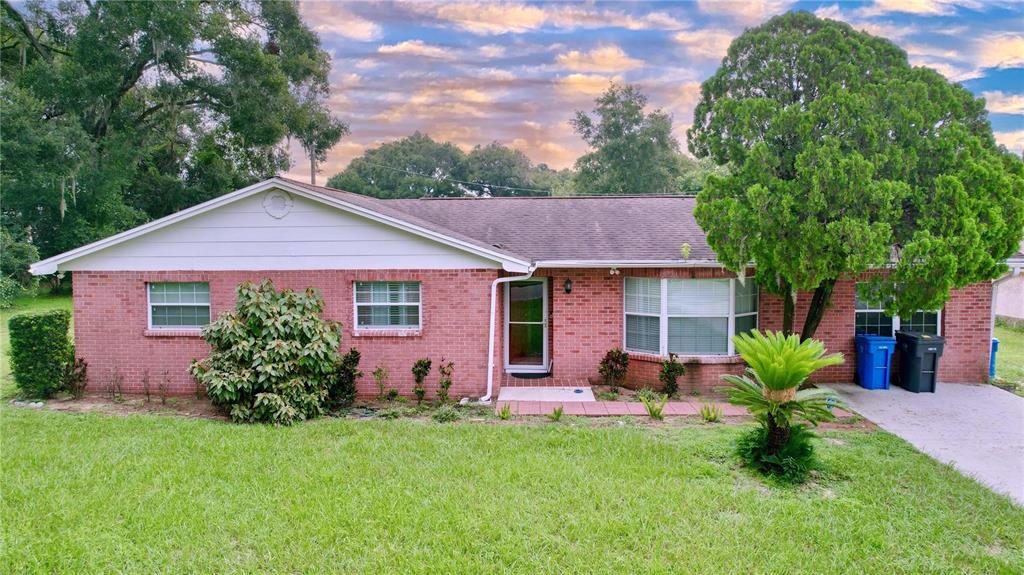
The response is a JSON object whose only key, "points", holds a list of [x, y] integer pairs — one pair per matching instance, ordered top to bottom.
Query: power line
{"points": [[447, 179]]}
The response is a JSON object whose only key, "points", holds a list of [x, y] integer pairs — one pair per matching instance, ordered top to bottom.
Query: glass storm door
{"points": [[526, 325]]}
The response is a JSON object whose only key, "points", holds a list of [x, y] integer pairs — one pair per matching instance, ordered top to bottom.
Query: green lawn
{"points": [[1010, 357], [85, 493], [147, 494]]}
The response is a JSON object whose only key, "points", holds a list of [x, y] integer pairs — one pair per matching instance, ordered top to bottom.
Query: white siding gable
{"points": [[243, 235]]}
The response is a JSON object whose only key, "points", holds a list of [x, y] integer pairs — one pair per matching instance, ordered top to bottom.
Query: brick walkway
{"points": [[615, 408]]}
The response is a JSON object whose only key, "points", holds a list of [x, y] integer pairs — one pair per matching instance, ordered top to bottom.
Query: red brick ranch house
{"points": [[515, 291]]}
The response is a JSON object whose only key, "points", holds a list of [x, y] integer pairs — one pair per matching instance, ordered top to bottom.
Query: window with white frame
{"points": [[179, 305], [387, 305], [687, 316], [871, 318]]}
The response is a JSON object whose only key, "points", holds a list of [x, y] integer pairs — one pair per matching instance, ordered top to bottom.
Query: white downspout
{"points": [[490, 340]]}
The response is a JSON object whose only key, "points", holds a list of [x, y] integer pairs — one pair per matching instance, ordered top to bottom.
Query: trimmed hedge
{"points": [[40, 349]]}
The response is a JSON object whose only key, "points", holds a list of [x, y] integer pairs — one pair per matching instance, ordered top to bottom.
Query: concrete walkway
{"points": [[979, 429]]}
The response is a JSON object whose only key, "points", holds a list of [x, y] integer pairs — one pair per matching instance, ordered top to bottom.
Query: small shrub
{"points": [[10, 289], [40, 351], [273, 357], [613, 367], [420, 370], [669, 375], [76, 376], [380, 377], [444, 383], [115, 384], [145, 386], [164, 387], [342, 390], [646, 393], [392, 395], [607, 395], [655, 406], [710, 412], [392, 413], [505, 413], [556, 413], [446, 414], [790, 464]]}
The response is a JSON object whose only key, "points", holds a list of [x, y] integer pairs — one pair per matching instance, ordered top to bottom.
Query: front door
{"points": [[526, 326]]}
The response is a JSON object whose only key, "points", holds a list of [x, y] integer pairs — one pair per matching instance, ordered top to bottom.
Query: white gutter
{"points": [[628, 264], [490, 339]]}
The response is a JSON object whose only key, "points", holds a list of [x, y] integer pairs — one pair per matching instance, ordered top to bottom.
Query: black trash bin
{"points": [[919, 360]]}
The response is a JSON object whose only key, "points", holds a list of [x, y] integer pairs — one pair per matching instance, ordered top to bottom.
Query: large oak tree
{"points": [[118, 112], [843, 158]]}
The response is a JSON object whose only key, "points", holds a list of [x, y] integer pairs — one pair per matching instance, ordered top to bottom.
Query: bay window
{"points": [[687, 316]]}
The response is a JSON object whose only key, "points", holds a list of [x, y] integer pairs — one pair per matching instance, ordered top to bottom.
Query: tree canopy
{"points": [[118, 112], [632, 151], [843, 158], [418, 166]]}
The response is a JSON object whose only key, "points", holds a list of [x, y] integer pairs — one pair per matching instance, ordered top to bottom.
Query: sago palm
{"points": [[778, 365]]}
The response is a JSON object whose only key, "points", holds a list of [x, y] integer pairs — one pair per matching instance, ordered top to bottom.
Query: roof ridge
{"points": [[574, 197]]}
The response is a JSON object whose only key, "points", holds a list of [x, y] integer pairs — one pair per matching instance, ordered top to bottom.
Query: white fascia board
{"points": [[628, 264], [51, 265]]}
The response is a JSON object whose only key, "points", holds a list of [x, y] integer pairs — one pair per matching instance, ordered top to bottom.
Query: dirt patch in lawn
{"points": [[183, 406]]}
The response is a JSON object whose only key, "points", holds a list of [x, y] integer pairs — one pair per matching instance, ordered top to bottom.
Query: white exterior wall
{"points": [[243, 235], [1010, 297]]}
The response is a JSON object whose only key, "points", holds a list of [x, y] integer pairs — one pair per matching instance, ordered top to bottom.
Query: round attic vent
{"points": [[277, 203]]}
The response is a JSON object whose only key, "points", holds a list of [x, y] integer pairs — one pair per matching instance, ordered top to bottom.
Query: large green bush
{"points": [[40, 351], [274, 357]]}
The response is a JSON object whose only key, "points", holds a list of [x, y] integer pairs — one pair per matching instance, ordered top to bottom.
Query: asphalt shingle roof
{"points": [[572, 228], [601, 228]]}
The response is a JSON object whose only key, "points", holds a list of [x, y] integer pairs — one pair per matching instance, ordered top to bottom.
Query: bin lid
{"points": [[920, 337]]}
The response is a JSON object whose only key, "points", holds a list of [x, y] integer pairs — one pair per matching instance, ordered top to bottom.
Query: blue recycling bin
{"points": [[992, 358], [874, 360]]}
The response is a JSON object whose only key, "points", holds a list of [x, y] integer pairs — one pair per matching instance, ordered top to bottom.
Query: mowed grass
{"points": [[21, 305], [1010, 357], [148, 494]]}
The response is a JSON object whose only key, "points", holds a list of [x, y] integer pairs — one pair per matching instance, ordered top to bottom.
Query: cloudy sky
{"points": [[514, 72]]}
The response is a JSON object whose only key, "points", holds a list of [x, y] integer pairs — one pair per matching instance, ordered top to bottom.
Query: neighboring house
{"points": [[515, 291], [1009, 291]]}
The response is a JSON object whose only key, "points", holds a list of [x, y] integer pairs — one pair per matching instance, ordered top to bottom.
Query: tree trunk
{"points": [[312, 170], [819, 303], [788, 310], [778, 437]]}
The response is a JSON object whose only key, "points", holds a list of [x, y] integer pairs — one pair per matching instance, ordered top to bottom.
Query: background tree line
{"points": [[116, 113], [632, 151]]}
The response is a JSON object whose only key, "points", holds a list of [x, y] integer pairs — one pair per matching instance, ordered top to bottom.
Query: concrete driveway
{"points": [[979, 429]]}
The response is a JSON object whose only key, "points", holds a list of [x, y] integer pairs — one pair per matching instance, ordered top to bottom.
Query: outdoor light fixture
{"points": [[568, 286]]}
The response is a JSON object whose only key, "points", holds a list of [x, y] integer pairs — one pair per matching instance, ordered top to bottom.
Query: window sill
{"points": [[173, 333], [387, 333], [687, 359]]}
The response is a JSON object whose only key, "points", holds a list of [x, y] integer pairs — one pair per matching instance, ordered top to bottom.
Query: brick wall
{"points": [[111, 317], [111, 320], [589, 321]]}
